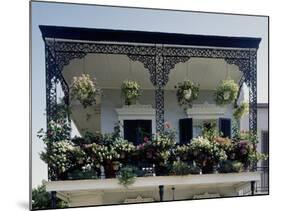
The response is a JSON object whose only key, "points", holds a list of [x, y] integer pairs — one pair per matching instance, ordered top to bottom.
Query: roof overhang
{"points": [[94, 34]]}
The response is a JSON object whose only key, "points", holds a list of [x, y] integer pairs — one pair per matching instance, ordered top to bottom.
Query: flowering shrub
{"points": [[84, 89], [130, 91], [187, 91], [226, 92], [226, 145], [123, 148], [158, 150], [243, 150], [182, 152], [205, 152], [101, 154], [62, 156]]}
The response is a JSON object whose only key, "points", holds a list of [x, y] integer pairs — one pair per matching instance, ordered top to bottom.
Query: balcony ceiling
{"points": [[111, 70]]}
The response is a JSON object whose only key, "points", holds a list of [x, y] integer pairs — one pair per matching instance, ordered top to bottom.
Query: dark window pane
{"points": [[225, 127], [136, 130], [185, 130]]}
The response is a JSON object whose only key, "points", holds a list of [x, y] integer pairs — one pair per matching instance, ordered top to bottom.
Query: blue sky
{"points": [[131, 19]]}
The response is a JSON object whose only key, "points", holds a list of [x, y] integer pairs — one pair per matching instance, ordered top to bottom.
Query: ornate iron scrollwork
{"points": [[158, 60], [148, 63], [253, 92]]}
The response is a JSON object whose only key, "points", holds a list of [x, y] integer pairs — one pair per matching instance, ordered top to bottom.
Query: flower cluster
{"points": [[84, 89], [131, 91], [187, 91], [226, 92], [241, 110], [58, 129], [123, 148], [243, 149], [157, 150], [182, 152], [205, 152], [101, 153], [61, 156]]}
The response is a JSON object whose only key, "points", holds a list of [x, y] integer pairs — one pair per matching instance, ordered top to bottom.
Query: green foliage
{"points": [[84, 89], [131, 91], [187, 92], [226, 92], [241, 110], [209, 130], [255, 157], [229, 166], [182, 168], [87, 172], [127, 175], [41, 199]]}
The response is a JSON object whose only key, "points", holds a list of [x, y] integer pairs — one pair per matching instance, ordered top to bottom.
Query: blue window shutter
{"points": [[225, 127], [185, 130]]}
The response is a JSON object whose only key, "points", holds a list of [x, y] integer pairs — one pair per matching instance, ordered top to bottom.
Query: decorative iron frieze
{"points": [[206, 52], [158, 60], [148, 63], [169, 64], [244, 67], [253, 92], [159, 105]]}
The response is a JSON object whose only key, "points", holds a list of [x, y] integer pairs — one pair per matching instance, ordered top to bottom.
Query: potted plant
{"points": [[84, 89], [131, 91], [187, 92], [226, 92], [241, 110], [123, 149], [158, 151], [181, 152], [206, 154], [104, 155], [115, 165], [127, 175]]}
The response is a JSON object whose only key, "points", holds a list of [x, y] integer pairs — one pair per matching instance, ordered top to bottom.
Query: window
{"points": [[136, 130]]}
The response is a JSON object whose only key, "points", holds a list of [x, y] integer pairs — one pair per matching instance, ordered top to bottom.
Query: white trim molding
{"points": [[206, 111], [136, 112]]}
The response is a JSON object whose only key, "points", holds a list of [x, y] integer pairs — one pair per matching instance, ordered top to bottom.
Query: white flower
{"points": [[187, 94], [226, 95]]}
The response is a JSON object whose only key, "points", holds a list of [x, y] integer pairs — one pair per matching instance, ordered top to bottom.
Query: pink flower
{"points": [[167, 125]]}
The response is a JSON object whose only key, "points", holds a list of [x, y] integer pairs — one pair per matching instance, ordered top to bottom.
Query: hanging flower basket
{"points": [[84, 89], [131, 91], [187, 91], [226, 92], [241, 110]]}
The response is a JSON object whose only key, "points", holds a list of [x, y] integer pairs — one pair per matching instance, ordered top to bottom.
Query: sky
{"points": [[57, 14]]}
